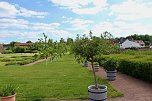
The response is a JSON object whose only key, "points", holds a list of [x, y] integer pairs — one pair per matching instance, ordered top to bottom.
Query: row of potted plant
{"points": [[110, 65]]}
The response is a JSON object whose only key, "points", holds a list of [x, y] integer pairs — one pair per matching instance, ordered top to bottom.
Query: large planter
{"points": [[96, 68], [111, 75], [99, 94], [8, 98]]}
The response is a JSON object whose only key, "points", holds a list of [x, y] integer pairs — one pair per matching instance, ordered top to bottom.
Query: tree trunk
{"points": [[45, 61], [94, 74]]}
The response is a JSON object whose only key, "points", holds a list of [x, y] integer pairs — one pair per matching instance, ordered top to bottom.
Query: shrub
{"points": [[6, 51], [101, 60], [110, 64], [138, 69]]}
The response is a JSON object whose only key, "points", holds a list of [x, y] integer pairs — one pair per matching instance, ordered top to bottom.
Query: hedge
{"points": [[139, 68]]}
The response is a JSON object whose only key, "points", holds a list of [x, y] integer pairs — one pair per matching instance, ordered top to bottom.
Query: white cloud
{"points": [[82, 6], [7, 10], [132, 10], [11, 11], [29, 13], [14, 23], [79, 24], [44, 26], [119, 29], [34, 30], [60, 33], [19, 35]]}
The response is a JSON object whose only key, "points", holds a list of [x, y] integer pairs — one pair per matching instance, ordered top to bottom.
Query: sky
{"points": [[23, 20]]}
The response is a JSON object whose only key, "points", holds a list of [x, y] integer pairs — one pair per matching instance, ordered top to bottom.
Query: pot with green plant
{"points": [[89, 48], [86, 63], [110, 66], [8, 92]]}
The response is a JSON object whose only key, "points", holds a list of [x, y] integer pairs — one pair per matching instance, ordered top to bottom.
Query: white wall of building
{"points": [[129, 44]]}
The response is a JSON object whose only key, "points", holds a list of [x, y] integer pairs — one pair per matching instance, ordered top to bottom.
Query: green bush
{"points": [[6, 51], [5, 59], [101, 60], [110, 64], [138, 69]]}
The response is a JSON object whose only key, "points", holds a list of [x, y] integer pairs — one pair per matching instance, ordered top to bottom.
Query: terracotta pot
{"points": [[8, 98]]}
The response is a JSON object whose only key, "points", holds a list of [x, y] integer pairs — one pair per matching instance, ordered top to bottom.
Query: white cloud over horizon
{"points": [[82, 6], [12, 10], [132, 10]]}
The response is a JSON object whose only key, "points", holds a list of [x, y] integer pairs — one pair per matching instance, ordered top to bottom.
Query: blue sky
{"points": [[23, 20]]}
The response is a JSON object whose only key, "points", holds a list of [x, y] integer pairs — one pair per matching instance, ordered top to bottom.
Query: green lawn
{"points": [[61, 79]]}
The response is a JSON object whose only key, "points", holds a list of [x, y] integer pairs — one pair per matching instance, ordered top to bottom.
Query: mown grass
{"points": [[61, 79]]}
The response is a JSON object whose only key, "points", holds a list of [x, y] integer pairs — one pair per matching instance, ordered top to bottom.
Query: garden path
{"points": [[35, 62]]}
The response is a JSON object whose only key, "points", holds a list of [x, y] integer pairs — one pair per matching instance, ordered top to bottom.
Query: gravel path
{"points": [[35, 62]]}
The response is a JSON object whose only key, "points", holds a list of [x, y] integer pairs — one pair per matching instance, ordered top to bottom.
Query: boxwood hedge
{"points": [[138, 67]]}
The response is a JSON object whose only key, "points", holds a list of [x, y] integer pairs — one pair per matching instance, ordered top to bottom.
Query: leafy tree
{"points": [[29, 41], [12, 45], [43, 47], [88, 48]]}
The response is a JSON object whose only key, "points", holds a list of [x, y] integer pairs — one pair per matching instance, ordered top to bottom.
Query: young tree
{"points": [[43, 47], [88, 48]]}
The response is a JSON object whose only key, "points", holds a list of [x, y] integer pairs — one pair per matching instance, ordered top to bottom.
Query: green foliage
{"points": [[48, 48], [88, 48], [19, 50], [5, 51], [134, 63], [110, 64], [138, 69], [8, 90]]}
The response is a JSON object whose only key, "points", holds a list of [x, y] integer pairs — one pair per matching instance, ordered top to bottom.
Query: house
{"points": [[141, 42], [23, 44], [129, 44], [4, 46]]}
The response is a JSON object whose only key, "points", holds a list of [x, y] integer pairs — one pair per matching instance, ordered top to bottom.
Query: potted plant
{"points": [[89, 48], [86, 63], [110, 65], [8, 93]]}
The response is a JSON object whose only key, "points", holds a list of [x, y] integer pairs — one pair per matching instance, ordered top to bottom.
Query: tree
{"points": [[29, 41], [69, 41], [43, 47], [88, 48]]}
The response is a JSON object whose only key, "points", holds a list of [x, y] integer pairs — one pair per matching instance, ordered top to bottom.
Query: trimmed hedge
{"points": [[135, 66], [138, 69]]}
